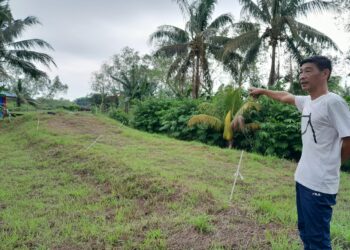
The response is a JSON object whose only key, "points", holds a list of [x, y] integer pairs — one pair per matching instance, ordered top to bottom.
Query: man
{"points": [[325, 129]]}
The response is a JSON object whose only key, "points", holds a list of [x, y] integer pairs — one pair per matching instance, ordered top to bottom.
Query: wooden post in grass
{"points": [[236, 175]]}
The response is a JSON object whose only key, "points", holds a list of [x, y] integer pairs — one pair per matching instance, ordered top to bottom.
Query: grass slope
{"points": [[77, 181]]}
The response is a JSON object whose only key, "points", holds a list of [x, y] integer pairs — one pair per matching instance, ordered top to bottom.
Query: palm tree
{"points": [[344, 7], [277, 25], [190, 46], [19, 53], [135, 84], [22, 96], [233, 106]]}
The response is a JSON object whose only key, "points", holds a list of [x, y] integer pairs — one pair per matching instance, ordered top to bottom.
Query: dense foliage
{"points": [[169, 116], [279, 132]]}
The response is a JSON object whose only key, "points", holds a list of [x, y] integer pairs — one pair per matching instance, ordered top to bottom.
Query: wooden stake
{"points": [[236, 175]]}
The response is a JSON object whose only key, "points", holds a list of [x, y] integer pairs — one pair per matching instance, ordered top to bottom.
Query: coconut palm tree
{"points": [[344, 9], [277, 24], [190, 46], [20, 53], [135, 84], [22, 96], [230, 119]]}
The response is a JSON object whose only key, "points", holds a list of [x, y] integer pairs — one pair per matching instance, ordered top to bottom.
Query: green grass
{"points": [[133, 190]]}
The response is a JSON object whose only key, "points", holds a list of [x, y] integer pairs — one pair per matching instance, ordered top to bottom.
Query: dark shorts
{"points": [[314, 217]]}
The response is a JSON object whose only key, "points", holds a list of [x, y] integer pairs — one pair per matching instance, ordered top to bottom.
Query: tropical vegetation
{"points": [[19, 53], [80, 180]]}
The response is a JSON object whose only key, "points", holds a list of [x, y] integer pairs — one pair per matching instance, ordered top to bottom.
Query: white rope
{"points": [[94, 142], [236, 175]]}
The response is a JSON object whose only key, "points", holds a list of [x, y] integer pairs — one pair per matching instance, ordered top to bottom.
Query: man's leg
{"points": [[317, 214], [301, 222]]}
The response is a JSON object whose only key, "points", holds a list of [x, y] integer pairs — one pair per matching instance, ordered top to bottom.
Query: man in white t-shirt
{"points": [[325, 129]]}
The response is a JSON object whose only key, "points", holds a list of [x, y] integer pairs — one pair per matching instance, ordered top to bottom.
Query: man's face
{"points": [[311, 77]]}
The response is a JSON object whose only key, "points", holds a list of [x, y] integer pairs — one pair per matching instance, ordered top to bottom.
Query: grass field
{"points": [[78, 181]]}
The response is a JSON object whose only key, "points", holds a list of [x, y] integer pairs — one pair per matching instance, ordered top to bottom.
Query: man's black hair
{"points": [[321, 63]]}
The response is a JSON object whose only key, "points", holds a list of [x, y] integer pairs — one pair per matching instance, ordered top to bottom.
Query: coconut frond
{"points": [[264, 5], [184, 6], [315, 6], [251, 8], [204, 12], [221, 21], [244, 26], [347, 27], [14, 28], [169, 34], [312, 35], [218, 41], [242, 41], [30, 43], [171, 50], [293, 50], [17, 53], [251, 54], [28, 55], [174, 66], [184, 66], [27, 67], [232, 98], [248, 105], [211, 121], [238, 123], [228, 133]]}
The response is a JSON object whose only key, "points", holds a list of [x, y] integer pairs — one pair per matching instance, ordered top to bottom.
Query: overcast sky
{"points": [[85, 33]]}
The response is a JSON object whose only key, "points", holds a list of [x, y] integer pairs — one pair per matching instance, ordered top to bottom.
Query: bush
{"points": [[347, 99], [119, 115], [169, 116], [279, 132]]}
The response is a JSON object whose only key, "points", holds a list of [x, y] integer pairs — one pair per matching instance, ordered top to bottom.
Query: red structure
{"points": [[3, 101]]}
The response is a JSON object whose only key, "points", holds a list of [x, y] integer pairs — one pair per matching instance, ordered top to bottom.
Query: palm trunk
{"points": [[272, 71], [240, 78], [194, 80], [197, 81], [291, 87], [19, 95], [230, 144]]}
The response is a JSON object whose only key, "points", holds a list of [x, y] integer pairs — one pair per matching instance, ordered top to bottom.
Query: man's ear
{"points": [[326, 73]]}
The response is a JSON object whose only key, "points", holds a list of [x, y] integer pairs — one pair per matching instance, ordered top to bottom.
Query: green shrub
{"points": [[347, 99], [95, 110], [119, 115], [146, 115], [170, 117], [279, 132]]}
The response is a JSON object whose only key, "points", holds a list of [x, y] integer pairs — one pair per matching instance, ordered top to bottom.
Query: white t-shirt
{"points": [[325, 121]]}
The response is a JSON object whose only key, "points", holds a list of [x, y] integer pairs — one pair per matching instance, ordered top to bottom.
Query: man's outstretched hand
{"points": [[255, 92]]}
